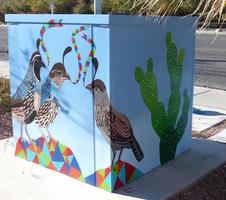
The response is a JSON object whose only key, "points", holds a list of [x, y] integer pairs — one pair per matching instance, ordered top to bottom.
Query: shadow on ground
{"points": [[206, 112], [178, 174]]}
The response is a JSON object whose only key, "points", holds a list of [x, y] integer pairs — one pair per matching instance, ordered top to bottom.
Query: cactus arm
{"points": [[168, 39], [171, 51], [172, 54], [181, 57], [150, 65], [175, 65], [175, 70], [139, 75], [148, 85], [151, 89], [173, 108], [159, 119], [182, 122]]}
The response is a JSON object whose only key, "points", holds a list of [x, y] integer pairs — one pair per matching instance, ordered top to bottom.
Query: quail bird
{"points": [[26, 101], [49, 106], [114, 125]]}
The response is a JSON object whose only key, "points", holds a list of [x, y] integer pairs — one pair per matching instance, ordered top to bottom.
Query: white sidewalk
{"points": [[4, 69], [209, 108], [23, 180]]}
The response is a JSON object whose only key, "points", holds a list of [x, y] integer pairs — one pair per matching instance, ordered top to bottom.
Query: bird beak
{"points": [[43, 65], [67, 77], [89, 87]]}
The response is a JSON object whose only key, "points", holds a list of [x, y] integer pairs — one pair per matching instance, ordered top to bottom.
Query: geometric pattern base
{"points": [[52, 155], [58, 157], [111, 179]]}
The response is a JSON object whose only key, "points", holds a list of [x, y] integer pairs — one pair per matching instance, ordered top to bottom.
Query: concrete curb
{"points": [[211, 32]]}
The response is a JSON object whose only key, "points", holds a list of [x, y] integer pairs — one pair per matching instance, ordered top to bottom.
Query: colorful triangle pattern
{"points": [[52, 155], [58, 157], [112, 179]]}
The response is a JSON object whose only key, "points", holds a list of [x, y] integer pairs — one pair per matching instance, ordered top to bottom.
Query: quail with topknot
{"points": [[26, 100], [49, 105], [114, 126]]}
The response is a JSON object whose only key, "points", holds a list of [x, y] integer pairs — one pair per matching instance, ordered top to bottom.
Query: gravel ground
{"points": [[6, 129], [210, 132], [209, 187]]}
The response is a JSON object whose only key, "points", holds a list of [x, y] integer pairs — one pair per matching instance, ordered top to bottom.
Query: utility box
{"points": [[101, 98]]}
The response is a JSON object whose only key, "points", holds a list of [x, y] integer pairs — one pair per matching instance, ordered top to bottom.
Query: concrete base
{"points": [[220, 137], [24, 180]]}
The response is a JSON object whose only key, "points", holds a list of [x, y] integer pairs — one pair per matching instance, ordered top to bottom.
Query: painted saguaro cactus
{"points": [[165, 122]]}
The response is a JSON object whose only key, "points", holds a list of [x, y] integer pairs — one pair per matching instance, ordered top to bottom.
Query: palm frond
{"points": [[206, 10]]}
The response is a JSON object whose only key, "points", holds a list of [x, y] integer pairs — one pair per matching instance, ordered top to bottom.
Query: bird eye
{"points": [[59, 73], [97, 89]]}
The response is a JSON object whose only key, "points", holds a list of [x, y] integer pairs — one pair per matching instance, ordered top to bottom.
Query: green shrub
{"points": [[15, 6], [35, 6], [43, 6], [83, 7], [108, 7], [117, 7]]}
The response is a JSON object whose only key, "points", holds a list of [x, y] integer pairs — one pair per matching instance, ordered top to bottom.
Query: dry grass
{"points": [[205, 9], [5, 101]]}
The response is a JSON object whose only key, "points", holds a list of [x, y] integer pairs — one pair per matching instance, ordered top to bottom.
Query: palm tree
{"points": [[205, 9]]}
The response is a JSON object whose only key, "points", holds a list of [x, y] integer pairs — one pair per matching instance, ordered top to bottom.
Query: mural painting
{"points": [[39, 103], [64, 116], [166, 124]]}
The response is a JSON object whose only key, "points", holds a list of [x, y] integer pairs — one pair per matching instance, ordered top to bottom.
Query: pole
{"points": [[52, 6], [97, 7]]}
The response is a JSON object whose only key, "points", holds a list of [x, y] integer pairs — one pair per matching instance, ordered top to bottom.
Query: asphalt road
{"points": [[3, 43], [210, 64]]}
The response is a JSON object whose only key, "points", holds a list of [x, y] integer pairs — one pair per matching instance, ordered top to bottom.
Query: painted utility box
{"points": [[103, 99]]}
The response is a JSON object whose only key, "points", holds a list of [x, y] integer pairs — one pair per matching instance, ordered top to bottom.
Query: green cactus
{"points": [[167, 126]]}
